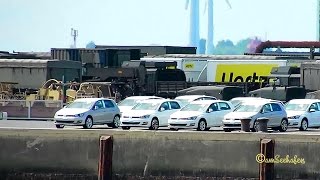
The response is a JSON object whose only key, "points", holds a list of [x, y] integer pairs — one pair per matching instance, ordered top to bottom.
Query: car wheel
{"points": [[116, 122], [88, 123], [154, 124], [202, 125], [283, 125], [304, 125], [59, 126], [255, 126], [125, 128]]}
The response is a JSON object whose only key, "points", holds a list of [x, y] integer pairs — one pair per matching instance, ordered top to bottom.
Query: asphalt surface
{"points": [[29, 124]]}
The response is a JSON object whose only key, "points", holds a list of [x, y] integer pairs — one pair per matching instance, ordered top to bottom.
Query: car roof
{"points": [[192, 96], [144, 97], [247, 98], [90, 99], [157, 100], [206, 101], [304, 101], [261, 102]]}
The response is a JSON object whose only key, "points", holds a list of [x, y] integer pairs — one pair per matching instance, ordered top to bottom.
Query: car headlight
{"points": [[79, 115], [145, 116], [294, 117], [192, 118]]}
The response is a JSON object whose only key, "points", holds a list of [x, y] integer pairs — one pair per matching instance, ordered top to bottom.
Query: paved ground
{"points": [[26, 124]]}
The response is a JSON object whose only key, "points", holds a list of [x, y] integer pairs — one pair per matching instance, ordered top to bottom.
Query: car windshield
{"points": [[128, 102], [183, 102], [236, 103], [81, 104], [146, 106], [195, 107], [296, 107], [248, 108]]}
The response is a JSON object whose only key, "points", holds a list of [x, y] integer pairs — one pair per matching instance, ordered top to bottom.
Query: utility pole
{"points": [[74, 34]]}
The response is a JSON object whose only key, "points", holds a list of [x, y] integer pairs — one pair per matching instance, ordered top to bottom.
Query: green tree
{"points": [[91, 45], [227, 47]]}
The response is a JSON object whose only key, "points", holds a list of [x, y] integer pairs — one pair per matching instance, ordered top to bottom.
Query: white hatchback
{"points": [[186, 99], [128, 103], [273, 110], [87, 112], [153, 113], [303, 113], [200, 115]]}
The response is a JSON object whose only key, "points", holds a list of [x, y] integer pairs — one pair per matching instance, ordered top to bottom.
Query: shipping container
{"points": [[156, 50], [99, 57], [204, 68], [241, 70], [32, 73], [310, 75]]}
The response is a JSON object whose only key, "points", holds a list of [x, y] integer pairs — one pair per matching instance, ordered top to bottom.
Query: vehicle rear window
{"points": [[108, 104], [276, 107]]}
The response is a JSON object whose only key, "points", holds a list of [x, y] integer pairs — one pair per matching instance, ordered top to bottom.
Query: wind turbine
{"points": [[209, 5], [194, 34]]}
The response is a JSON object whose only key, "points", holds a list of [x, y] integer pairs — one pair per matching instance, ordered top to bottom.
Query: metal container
{"points": [[310, 72]]}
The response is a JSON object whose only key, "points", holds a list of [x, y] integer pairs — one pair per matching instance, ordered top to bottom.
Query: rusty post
{"points": [[105, 159], [266, 170]]}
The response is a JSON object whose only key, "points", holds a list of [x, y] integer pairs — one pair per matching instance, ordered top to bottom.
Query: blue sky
{"points": [[38, 25]]}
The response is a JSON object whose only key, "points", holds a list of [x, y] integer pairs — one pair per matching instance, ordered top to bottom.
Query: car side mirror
{"points": [[95, 107], [162, 109], [210, 110], [312, 110], [262, 111]]}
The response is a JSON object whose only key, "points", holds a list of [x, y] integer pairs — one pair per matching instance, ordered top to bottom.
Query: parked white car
{"points": [[186, 99], [237, 101], [128, 103], [273, 110], [87, 112], [153, 113], [303, 113], [200, 115]]}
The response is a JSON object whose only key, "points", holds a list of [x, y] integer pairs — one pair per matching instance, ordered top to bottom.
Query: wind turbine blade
{"points": [[227, 1], [186, 5], [205, 7]]}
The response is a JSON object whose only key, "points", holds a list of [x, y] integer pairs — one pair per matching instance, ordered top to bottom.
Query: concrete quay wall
{"points": [[150, 154]]}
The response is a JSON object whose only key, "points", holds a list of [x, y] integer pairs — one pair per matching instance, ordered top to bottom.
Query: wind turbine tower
{"points": [[318, 20], [194, 34], [210, 38]]}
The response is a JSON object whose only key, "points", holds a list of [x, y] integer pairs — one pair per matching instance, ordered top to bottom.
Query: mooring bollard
{"points": [[3, 115], [263, 124], [245, 125], [105, 159], [266, 170]]}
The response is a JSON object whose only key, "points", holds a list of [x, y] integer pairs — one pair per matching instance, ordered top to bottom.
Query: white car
{"points": [[186, 99], [237, 101], [129, 102], [273, 110], [87, 112], [153, 113], [303, 113], [200, 115]]}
